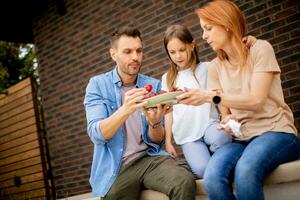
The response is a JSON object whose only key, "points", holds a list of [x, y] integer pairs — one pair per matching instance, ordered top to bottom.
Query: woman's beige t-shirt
{"points": [[275, 114]]}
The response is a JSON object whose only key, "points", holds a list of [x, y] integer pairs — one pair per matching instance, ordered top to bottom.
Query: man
{"points": [[127, 138]]}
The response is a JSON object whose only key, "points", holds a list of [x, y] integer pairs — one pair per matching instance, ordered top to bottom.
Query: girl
{"points": [[248, 83], [193, 127]]}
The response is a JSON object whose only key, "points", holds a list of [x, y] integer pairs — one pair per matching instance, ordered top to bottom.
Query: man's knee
{"points": [[187, 177], [184, 180], [179, 181], [125, 184], [184, 185]]}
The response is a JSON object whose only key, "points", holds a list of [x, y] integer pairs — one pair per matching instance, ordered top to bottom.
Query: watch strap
{"points": [[156, 125]]}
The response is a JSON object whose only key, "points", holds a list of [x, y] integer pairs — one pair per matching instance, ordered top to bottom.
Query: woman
{"points": [[247, 83]]}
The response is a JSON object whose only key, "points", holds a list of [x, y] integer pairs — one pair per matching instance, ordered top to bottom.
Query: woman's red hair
{"points": [[226, 14]]}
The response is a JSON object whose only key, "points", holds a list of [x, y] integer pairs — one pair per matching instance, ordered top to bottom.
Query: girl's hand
{"points": [[249, 40], [171, 149]]}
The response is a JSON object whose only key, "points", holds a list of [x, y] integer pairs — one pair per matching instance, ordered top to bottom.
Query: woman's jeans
{"points": [[246, 164]]}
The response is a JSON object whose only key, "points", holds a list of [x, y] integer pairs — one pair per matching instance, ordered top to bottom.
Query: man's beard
{"points": [[127, 71]]}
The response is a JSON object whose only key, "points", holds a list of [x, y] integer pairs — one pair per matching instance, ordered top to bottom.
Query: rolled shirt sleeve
{"points": [[96, 110]]}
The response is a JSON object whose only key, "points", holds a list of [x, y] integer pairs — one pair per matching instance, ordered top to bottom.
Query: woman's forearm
{"points": [[240, 102]]}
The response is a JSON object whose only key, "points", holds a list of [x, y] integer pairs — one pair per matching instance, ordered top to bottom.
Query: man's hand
{"points": [[133, 100], [155, 115]]}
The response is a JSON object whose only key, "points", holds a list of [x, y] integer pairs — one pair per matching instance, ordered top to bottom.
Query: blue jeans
{"points": [[197, 153], [247, 163]]}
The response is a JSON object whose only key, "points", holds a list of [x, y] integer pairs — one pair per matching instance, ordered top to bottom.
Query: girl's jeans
{"points": [[198, 153]]}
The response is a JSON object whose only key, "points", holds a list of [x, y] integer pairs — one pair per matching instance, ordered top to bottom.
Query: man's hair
{"points": [[127, 31]]}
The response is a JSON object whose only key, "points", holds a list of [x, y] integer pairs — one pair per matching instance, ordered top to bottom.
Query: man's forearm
{"points": [[110, 125], [157, 134]]}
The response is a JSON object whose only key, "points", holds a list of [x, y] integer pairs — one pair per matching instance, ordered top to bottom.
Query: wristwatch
{"points": [[216, 99], [156, 125]]}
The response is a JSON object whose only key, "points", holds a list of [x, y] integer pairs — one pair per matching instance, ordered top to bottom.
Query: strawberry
{"points": [[148, 87], [176, 90], [162, 92], [152, 95]]}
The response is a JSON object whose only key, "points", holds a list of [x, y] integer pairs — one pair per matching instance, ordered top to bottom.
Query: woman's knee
{"points": [[248, 174], [248, 177], [212, 180], [208, 182]]}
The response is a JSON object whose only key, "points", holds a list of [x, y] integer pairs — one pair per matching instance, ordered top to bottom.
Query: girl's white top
{"points": [[190, 122]]}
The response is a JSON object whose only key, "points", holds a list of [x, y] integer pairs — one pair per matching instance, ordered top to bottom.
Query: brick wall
{"points": [[74, 46]]}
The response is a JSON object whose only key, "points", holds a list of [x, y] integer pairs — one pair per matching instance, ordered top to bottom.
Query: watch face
{"points": [[216, 99]]}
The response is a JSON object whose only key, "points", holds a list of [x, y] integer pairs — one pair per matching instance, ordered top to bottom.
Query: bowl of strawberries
{"points": [[163, 97]]}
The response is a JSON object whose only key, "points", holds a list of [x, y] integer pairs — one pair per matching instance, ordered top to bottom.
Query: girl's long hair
{"points": [[226, 14], [184, 35]]}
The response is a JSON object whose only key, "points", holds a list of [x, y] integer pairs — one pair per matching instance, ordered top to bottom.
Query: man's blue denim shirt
{"points": [[102, 99]]}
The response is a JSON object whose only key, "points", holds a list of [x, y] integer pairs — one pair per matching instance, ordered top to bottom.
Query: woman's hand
{"points": [[249, 40], [193, 97], [224, 121], [171, 149]]}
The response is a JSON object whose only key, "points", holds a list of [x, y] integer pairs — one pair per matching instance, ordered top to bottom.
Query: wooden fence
{"points": [[24, 170]]}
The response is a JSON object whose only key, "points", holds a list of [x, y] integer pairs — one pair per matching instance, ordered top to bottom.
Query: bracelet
{"points": [[156, 125]]}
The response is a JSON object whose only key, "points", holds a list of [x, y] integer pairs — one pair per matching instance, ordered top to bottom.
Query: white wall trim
{"points": [[86, 196]]}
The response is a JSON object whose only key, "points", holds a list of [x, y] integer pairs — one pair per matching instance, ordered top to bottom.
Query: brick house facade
{"points": [[72, 43]]}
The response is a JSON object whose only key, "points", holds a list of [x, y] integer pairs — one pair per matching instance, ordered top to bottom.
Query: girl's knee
{"points": [[215, 137], [223, 138], [219, 140], [198, 171]]}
